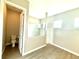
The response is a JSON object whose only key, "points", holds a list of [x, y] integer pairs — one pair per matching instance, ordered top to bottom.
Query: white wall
{"points": [[22, 3], [1, 26], [4, 28], [49, 29], [49, 33], [66, 37]]}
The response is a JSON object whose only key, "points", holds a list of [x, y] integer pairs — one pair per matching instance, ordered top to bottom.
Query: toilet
{"points": [[13, 40]]}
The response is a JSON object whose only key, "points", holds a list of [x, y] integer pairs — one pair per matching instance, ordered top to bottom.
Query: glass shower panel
{"points": [[33, 30]]}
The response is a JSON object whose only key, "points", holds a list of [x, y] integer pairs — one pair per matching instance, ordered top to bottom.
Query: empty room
{"points": [[39, 29]]}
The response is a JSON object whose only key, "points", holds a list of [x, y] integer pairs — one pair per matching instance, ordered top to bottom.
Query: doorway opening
{"points": [[13, 29]]}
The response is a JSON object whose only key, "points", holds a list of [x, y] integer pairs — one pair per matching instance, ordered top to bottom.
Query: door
{"points": [[21, 32]]}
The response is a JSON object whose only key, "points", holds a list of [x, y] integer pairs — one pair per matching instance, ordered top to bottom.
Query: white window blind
{"points": [[76, 22], [57, 24]]}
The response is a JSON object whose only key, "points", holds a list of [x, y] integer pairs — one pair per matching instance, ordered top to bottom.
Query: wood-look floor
{"points": [[48, 52]]}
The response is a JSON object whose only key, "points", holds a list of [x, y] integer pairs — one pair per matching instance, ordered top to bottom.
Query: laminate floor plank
{"points": [[47, 52]]}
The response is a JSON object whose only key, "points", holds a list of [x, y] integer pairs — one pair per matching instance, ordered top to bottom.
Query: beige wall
{"points": [[13, 24], [68, 36]]}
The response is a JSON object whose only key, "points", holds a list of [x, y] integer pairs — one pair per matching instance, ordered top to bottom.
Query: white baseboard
{"points": [[65, 49], [33, 50]]}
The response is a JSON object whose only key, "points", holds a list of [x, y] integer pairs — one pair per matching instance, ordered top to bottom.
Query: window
{"points": [[76, 22], [57, 24], [33, 30]]}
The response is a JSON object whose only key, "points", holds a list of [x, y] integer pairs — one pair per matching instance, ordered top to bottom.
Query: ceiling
{"points": [[38, 8]]}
